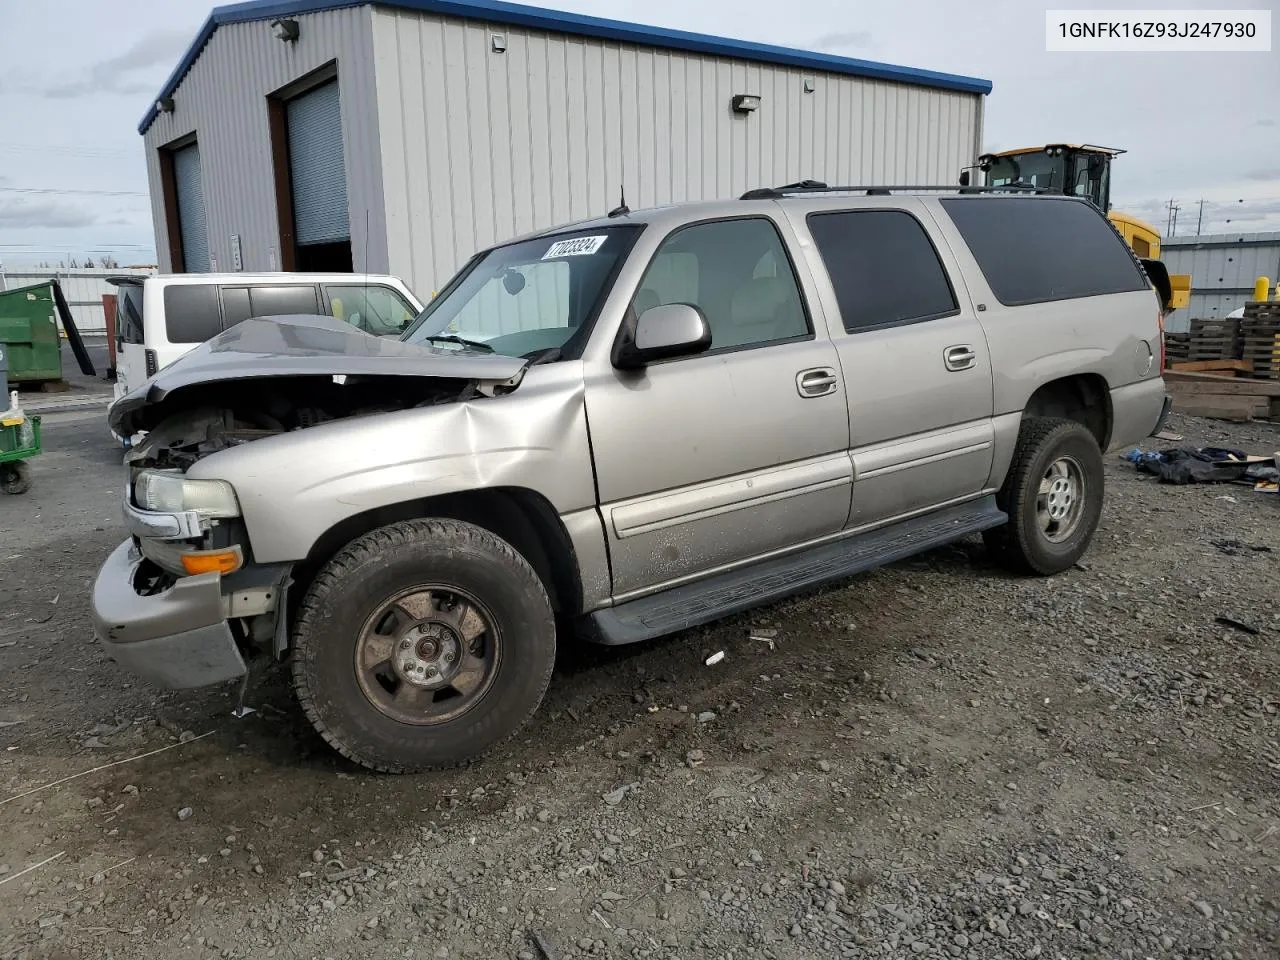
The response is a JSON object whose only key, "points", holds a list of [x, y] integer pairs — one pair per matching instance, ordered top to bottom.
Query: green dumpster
{"points": [[30, 334]]}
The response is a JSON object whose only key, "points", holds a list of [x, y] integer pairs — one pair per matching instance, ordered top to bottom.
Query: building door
{"points": [[318, 175], [190, 203]]}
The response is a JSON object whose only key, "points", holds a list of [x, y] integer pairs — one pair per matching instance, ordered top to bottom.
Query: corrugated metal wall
{"points": [[223, 100], [479, 146], [1223, 268], [83, 288]]}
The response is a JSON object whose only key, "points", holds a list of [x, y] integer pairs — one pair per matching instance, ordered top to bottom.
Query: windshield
{"points": [[1036, 169], [529, 297]]}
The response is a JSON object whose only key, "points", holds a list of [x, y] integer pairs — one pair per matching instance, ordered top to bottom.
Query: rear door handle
{"points": [[960, 357], [817, 382]]}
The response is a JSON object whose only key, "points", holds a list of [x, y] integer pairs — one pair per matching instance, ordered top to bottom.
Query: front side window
{"points": [[883, 267], [737, 273], [527, 298], [373, 308]]}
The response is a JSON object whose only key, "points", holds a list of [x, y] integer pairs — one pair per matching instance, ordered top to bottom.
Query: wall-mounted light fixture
{"points": [[286, 30], [499, 43], [746, 103], [165, 105]]}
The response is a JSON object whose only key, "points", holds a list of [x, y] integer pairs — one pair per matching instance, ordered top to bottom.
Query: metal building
{"points": [[402, 136], [1223, 268]]}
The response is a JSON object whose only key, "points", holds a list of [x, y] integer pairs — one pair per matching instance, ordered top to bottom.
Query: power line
{"points": [[92, 153], [77, 193]]}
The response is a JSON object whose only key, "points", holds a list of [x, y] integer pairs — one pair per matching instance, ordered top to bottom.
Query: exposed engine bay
{"points": [[203, 419]]}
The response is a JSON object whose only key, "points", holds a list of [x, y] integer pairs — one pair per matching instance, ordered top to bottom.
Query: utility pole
{"points": [[1200, 218], [1173, 219], [1168, 220]]}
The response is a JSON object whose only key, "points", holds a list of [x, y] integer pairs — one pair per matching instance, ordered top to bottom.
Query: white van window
{"points": [[283, 300], [373, 308], [191, 312], [129, 328]]}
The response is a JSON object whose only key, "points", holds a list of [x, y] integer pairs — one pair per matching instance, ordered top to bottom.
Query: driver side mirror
{"points": [[670, 330]]}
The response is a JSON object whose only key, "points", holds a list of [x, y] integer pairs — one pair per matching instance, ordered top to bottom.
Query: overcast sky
{"points": [[76, 76]]}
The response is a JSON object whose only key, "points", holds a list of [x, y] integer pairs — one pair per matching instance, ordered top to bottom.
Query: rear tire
{"points": [[15, 477], [1053, 495], [422, 645]]}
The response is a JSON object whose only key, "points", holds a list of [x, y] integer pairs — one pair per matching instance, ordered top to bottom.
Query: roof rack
{"points": [[815, 186]]}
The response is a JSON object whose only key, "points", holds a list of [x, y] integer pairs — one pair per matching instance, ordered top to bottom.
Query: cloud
{"points": [[843, 38], [120, 74], [1264, 122], [1272, 174], [20, 214]]}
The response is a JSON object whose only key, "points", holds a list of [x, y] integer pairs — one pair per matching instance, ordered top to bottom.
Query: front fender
{"points": [[296, 486]]}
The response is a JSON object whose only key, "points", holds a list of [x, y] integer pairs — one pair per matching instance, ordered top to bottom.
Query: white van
{"points": [[158, 319]]}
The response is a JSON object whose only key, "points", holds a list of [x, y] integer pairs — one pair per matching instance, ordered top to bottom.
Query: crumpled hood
{"points": [[293, 346]]}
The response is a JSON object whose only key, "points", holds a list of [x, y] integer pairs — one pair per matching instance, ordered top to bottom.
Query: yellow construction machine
{"points": [[1084, 170]]}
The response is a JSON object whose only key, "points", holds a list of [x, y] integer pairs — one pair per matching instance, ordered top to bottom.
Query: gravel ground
{"points": [[931, 760]]}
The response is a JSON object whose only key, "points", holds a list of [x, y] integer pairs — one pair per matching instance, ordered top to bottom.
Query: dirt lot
{"points": [[932, 760]]}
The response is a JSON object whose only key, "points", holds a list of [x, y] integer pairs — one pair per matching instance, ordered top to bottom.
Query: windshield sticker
{"points": [[577, 247]]}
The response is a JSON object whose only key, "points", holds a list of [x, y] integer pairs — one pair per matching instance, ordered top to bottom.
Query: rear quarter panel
{"points": [[1115, 336]]}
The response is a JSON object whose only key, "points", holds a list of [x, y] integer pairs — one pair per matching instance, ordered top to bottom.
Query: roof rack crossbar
{"points": [[808, 187]]}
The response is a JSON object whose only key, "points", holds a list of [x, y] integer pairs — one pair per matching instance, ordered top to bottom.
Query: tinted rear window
{"points": [[1037, 250], [883, 268], [275, 301], [191, 312], [129, 327]]}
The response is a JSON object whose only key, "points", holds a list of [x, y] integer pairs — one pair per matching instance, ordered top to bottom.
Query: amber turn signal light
{"points": [[212, 561]]}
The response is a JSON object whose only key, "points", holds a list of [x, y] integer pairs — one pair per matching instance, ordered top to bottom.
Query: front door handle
{"points": [[961, 357], [817, 382]]}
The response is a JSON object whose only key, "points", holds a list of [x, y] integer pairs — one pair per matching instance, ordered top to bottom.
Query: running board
{"points": [[727, 593]]}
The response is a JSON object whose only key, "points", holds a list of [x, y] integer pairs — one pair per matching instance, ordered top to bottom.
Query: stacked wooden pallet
{"points": [[1260, 338], [1217, 339], [1177, 348], [1222, 396]]}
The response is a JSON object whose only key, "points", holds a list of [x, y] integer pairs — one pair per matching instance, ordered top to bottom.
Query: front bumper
{"points": [[176, 639]]}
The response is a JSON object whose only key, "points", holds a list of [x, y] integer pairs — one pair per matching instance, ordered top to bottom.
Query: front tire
{"points": [[1053, 495], [422, 645]]}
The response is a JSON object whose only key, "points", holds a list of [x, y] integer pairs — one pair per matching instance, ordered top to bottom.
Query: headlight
{"points": [[163, 492]]}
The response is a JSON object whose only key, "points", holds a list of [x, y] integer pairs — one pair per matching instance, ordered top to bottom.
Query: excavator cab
{"points": [[1076, 170], [1084, 170]]}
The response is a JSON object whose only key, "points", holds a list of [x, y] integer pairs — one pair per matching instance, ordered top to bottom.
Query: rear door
{"points": [[130, 338], [913, 357]]}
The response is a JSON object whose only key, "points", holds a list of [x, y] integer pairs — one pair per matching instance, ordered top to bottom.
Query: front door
{"points": [[914, 359], [715, 459]]}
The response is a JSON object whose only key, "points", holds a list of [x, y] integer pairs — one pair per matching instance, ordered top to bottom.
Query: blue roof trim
{"points": [[516, 14]]}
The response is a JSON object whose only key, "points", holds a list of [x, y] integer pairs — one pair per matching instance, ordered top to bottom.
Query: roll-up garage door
{"points": [[317, 167], [186, 180]]}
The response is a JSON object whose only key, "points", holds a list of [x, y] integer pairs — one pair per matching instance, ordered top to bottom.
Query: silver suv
{"points": [[625, 427]]}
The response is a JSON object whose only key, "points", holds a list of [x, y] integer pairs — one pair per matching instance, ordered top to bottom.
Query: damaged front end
{"points": [[185, 597]]}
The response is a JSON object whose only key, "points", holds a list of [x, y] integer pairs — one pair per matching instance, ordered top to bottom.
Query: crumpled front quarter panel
{"points": [[294, 487]]}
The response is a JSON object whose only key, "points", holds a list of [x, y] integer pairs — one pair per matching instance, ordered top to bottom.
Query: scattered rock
{"points": [[185, 813]]}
